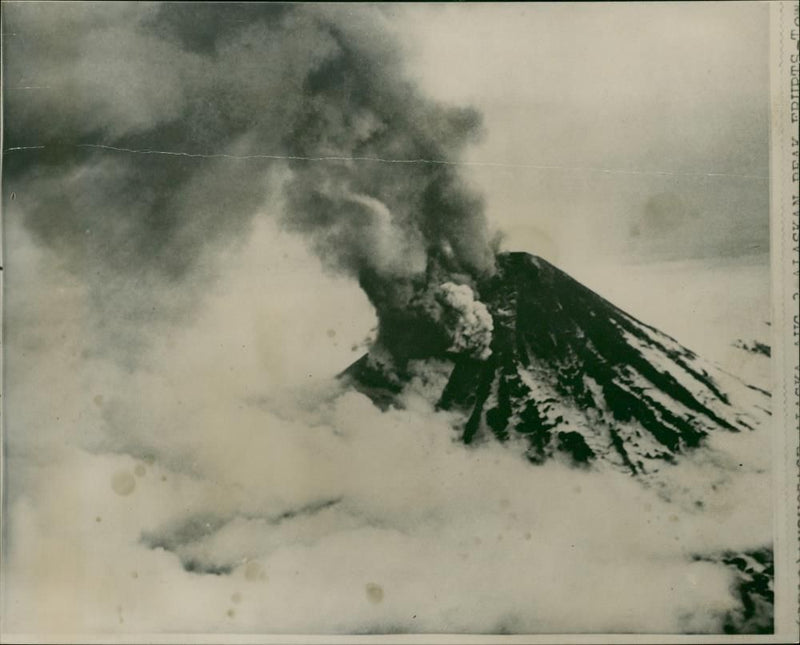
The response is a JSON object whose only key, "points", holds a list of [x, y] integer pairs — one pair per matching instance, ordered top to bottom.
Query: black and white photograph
{"points": [[388, 319]]}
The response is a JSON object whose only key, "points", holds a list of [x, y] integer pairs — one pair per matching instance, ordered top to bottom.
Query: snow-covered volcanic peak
{"points": [[570, 375]]}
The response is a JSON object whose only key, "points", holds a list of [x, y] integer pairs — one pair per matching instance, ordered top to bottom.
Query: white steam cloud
{"points": [[472, 328]]}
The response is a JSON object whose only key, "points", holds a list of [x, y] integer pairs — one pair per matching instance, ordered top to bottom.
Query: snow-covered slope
{"points": [[572, 376]]}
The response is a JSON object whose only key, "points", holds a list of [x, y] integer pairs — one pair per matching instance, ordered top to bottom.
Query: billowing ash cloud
{"points": [[293, 108]]}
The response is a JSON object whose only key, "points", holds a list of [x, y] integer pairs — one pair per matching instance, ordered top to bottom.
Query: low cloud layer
{"points": [[299, 507]]}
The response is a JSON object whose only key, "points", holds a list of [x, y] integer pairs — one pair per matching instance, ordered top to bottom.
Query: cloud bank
{"points": [[233, 487]]}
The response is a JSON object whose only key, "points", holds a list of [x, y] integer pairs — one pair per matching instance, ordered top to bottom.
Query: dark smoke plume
{"points": [[305, 105]]}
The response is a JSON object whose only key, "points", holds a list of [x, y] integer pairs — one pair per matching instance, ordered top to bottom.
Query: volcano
{"points": [[569, 376]]}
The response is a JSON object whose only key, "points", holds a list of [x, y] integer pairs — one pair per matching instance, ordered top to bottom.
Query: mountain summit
{"points": [[562, 371]]}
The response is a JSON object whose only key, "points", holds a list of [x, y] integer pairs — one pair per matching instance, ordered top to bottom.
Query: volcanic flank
{"points": [[538, 358]]}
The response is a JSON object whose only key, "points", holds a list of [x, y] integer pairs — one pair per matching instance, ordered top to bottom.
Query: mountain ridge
{"points": [[572, 374]]}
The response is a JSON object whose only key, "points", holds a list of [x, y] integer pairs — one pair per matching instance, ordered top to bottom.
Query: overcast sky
{"points": [[674, 96]]}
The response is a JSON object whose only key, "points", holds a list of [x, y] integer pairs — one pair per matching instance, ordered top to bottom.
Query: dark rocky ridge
{"points": [[571, 373]]}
